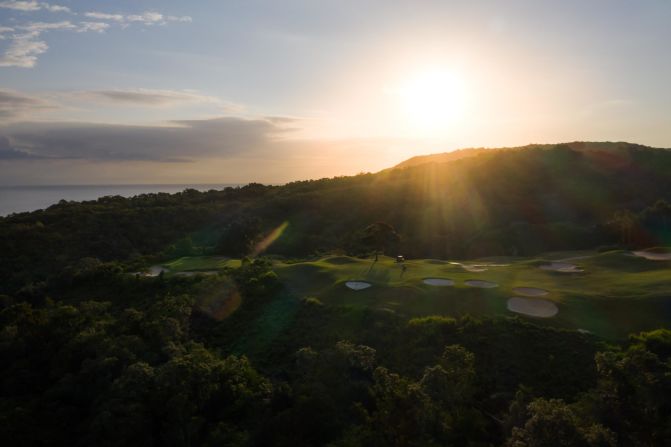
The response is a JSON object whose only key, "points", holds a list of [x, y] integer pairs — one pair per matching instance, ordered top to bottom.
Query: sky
{"points": [[219, 91]]}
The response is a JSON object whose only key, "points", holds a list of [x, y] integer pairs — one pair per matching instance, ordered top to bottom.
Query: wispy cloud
{"points": [[29, 6], [105, 16], [146, 18], [39, 27], [98, 27], [5, 30], [26, 42], [26, 45], [23, 51], [147, 97], [14, 105], [178, 141]]}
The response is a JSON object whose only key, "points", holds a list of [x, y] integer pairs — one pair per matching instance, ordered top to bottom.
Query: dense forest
{"points": [[517, 201], [94, 354]]}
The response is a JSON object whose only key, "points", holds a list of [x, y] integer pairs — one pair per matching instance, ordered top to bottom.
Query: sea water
{"points": [[16, 199]]}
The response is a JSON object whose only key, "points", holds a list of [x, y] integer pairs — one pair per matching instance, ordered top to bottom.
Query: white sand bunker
{"points": [[653, 255], [563, 267], [474, 268], [156, 270], [439, 282], [480, 283], [358, 285], [530, 291], [533, 308]]}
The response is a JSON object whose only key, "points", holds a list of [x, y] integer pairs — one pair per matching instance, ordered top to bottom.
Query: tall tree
{"points": [[380, 237]]}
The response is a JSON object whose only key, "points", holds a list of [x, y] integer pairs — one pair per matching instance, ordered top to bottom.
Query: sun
{"points": [[432, 101]]}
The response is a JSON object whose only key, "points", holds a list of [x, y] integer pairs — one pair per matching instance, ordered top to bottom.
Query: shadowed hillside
{"points": [[579, 146], [440, 158], [500, 202], [210, 347]]}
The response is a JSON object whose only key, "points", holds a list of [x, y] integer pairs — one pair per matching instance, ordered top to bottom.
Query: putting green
{"points": [[481, 283], [530, 291], [617, 294]]}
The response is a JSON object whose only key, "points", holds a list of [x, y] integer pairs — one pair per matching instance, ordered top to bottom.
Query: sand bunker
{"points": [[652, 255], [563, 267], [474, 268], [156, 270], [439, 282], [480, 283], [358, 285], [530, 291], [533, 308]]}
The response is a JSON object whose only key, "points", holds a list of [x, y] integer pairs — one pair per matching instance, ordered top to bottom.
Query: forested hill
{"points": [[579, 146], [440, 158], [514, 201], [282, 352]]}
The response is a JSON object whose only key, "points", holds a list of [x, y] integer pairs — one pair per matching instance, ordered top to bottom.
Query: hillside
{"points": [[459, 154], [440, 158], [501, 202], [257, 316]]}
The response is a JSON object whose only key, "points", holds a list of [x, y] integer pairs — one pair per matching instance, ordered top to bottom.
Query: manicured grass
{"points": [[201, 263], [617, 293]]}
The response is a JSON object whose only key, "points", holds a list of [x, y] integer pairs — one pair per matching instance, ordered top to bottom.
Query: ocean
{"points": [[16, 199]]}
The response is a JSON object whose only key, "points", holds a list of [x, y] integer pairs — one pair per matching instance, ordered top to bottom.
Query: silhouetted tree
{"points": [[380, 236], [238, 237]]}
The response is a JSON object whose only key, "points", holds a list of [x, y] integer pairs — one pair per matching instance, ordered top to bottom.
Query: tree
{"points": [[624, 222], [239, 237], [379, 237], [452, 379], [553, 423]]}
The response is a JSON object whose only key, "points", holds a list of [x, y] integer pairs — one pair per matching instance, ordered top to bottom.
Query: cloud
{"points": [[28, 6], [55, 8], [104, 16], [146, 18], [40, 27], [98, 27], [5, 30], [26, 45], [23, 50], [147, 97], [15, 105], [178, 141], [7, 152]]}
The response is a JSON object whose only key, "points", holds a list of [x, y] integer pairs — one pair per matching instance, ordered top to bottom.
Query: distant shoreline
{"points": [[123, 185], [27, 198]]}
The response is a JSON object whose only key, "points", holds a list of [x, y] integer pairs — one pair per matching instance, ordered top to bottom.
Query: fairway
{"points": [[609, 294]]}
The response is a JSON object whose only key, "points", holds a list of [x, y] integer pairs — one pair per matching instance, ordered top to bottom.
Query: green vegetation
{"points": [[202, 263], [599, 300], [142, 322]]}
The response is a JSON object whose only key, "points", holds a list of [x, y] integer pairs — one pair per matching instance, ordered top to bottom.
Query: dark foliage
{"points": [[94, 355]]}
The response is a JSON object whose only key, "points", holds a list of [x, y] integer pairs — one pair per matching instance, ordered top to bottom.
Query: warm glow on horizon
{"points": [[232, 92], [432, 101]]}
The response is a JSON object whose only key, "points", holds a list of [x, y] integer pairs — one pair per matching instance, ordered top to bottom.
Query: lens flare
{"points": [[264, 243]]}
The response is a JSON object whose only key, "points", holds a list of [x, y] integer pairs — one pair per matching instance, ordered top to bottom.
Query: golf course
{"points": [[609, 294]]}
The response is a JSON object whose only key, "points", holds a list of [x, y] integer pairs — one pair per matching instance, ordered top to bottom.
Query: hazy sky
{"points": [[140, 91]]}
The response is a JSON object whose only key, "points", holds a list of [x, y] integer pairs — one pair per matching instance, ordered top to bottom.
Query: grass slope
{"points": [[617, 293]]}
